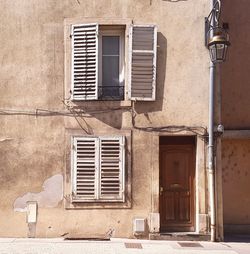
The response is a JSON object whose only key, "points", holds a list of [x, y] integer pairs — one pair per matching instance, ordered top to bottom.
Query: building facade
{"points": [[104, 115], [236, 119]]}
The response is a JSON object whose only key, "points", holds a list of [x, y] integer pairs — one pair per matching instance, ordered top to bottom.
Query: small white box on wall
{"points": [[31, 212], [154, 222], [139, 226]]}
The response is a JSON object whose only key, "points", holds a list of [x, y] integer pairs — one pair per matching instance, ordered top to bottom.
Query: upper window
{"points": [[98, 62], [111, 64]]}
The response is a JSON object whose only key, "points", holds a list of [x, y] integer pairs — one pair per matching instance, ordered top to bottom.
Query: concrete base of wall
{"points": [[237, 229], [183, 236]]}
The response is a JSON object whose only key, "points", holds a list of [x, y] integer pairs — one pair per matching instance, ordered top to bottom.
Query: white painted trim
{"points": [[142, 25], [113, 32], [130, 42], [143, 51], [97, 59], [72, 63], [154, 64], [141, 99], [73, 164], [123, 167], [97, 169], [196, 187]]}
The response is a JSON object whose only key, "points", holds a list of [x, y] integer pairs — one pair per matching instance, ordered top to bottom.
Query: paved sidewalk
{"points": [[117, 246]]}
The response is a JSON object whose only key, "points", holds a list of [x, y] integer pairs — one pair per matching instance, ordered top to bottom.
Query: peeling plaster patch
{"points": [[51, 195]]}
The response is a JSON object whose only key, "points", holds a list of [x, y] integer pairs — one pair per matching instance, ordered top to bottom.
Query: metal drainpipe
{"points": [[210, 151], [211, 173]]}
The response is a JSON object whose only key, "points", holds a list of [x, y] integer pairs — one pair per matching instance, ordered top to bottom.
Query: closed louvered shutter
{"points": [[84, 61], [142, 70], [85, 168], [112, 168], [98, 170]]}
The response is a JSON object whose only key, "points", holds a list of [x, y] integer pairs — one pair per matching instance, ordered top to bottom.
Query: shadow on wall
{"points": [[146, 107], [108, 112], [111, 112], [112, 116]]}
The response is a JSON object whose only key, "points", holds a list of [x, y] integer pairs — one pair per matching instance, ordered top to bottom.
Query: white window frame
{"points": [[112, 32], [97, 198]]}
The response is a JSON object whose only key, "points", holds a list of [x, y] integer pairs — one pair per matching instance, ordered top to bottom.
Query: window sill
{"points": [[100, 103], [74, 205]]}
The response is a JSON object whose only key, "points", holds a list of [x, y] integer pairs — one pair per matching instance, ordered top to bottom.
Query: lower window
{"points": [[98, 169]]}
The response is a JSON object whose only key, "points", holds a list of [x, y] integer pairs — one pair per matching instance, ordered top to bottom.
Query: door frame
{"points": [[181, 143], [201, 196]]}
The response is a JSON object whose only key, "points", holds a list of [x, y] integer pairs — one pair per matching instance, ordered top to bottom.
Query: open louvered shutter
{"points": [[84, 61], [142, 69], [85, 153], [112, 168]]}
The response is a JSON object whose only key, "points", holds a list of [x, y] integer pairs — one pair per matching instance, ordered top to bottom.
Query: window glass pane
{"points": [[110, 45], [110, 65], [110, 71]]}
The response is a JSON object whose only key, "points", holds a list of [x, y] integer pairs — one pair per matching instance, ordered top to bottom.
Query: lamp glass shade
{"points": [[218, 46], [218, 52]]}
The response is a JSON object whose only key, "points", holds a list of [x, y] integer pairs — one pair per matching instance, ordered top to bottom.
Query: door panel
{"points": [[177, 187], [169, 199], [184, 205]]}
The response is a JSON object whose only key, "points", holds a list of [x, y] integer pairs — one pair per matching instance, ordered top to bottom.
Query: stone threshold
{"points": [[179, 236]]}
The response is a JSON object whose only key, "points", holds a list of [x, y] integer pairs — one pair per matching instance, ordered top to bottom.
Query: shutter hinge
{"points": [[70, 36], [73, 147]]}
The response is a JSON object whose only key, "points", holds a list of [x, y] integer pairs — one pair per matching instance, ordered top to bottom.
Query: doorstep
{"points": [[180, 236]]}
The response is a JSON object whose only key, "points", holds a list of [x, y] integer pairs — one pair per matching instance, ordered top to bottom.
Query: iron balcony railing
{"points": [[111, 92]]}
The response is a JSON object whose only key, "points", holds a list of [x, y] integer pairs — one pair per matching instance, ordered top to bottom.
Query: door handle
{"points": [[175, 185], [161, 190]]}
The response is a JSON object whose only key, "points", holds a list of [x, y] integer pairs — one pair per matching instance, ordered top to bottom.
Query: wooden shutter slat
{"points": [[84, 28], [85, 61], [142, 71], [86, 77]]}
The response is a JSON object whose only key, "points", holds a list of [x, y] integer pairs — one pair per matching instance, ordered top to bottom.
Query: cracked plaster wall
{"points": [[236, 179], [49, 197]]}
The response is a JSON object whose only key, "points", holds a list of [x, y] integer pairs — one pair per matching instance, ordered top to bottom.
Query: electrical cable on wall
{"points": [[46, 112], [76, 112], [200, 131]]}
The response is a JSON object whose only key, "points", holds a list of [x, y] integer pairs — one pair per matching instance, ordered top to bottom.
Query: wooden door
{"points": [[177, 188]]}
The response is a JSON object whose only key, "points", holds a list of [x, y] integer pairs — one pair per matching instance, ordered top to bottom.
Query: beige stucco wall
{"points": [[235, 71], [235, 103], [32, 148], [236, 188]]}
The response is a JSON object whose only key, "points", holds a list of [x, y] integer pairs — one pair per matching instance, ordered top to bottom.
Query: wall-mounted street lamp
{"points": [[216, 38], [217, 41], [218, 46]]}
